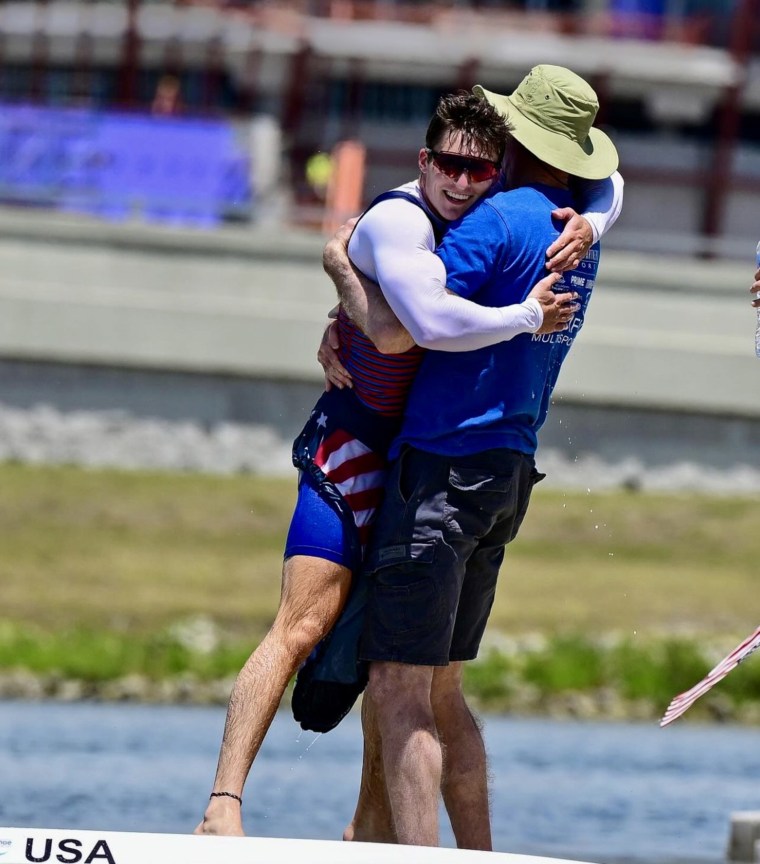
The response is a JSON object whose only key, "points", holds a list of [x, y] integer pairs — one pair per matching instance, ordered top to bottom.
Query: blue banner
{"points": [[119, 166]]}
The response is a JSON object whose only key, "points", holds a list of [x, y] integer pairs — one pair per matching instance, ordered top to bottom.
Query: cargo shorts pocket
{"points": [[475, 498], [406, 595]]}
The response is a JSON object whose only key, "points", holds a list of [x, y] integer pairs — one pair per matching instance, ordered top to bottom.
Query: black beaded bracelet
{"points": [[226, 795]]}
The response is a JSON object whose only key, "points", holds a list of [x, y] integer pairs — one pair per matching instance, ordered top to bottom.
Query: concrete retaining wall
{"points": [[224, 326]]}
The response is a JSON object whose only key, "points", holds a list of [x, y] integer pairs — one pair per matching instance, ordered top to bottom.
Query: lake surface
{"points": [[594, 791]]}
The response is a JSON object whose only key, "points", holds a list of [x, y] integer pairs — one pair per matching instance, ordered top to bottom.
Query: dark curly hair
{"points": [[478, 121]]}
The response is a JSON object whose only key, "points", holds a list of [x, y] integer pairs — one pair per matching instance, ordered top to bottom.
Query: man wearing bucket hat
{"points": [[464, 460], [237, 753], [470, 822]]}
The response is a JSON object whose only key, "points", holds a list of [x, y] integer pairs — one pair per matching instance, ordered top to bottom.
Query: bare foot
{"points": [[221, 818], [370, 830]]}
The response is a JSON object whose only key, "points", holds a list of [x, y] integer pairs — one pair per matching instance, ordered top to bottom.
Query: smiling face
{"points": [[452, 196]]}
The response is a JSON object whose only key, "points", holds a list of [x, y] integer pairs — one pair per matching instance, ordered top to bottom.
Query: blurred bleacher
{"points": [[679, 83]]}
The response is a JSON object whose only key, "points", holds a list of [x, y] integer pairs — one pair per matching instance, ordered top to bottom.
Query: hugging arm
{"points": [[602, 201], [395, 242], [361, 298]]}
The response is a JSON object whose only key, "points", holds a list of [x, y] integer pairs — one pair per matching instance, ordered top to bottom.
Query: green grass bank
{"points": [[608, 603]]}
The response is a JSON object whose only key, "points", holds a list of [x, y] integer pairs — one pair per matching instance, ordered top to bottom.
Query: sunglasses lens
{"points": [[454, 166], [483, 171]]}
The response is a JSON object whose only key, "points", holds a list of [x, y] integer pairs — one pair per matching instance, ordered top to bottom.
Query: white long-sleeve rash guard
{"points": [[394, 245]]}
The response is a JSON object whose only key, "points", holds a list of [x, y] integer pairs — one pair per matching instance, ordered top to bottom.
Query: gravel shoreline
{"points": [[115, 439], [601, 705]]}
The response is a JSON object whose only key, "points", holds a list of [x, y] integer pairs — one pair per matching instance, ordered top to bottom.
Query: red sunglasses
{"points": [[453, 165]]}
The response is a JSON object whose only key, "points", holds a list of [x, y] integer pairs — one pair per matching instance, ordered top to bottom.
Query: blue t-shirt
{"points": [[467, 402]]}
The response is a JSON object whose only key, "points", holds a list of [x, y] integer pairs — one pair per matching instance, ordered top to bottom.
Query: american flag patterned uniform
{"points": [[381, 381], [346, 440], [343, 448], [358, 474]]}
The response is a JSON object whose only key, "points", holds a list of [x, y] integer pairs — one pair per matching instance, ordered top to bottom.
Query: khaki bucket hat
{"points": [[551, 113]]}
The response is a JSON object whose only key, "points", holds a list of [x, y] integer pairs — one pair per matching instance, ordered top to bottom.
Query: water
{"points": [[595, 791]]}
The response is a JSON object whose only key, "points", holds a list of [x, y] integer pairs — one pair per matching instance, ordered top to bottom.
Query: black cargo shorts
{"points": [[436, 550]]}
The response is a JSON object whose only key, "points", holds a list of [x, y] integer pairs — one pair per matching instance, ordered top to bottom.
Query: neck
{"points": [[524, 168], [552, 176]]}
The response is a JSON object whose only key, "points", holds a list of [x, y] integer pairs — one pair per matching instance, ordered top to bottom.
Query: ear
{"points": [[422, 160]]}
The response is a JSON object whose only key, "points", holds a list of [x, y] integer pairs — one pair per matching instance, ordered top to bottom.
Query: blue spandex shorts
{"points": [[317, 529]]}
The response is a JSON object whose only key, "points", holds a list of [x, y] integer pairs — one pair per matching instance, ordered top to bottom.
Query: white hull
{"points": [[62, 846]]}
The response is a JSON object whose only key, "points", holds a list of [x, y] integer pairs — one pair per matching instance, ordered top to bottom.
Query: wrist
{"points": [[594, 227], [535, 313]]}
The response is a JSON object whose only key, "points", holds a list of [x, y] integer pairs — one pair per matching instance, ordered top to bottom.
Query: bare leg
{"points": [[313, 593], [411, 750], [465, 777], [372, 822]]}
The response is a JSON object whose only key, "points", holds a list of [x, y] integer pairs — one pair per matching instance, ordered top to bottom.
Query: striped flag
{"points": [[357, 472], [684, 701]]}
